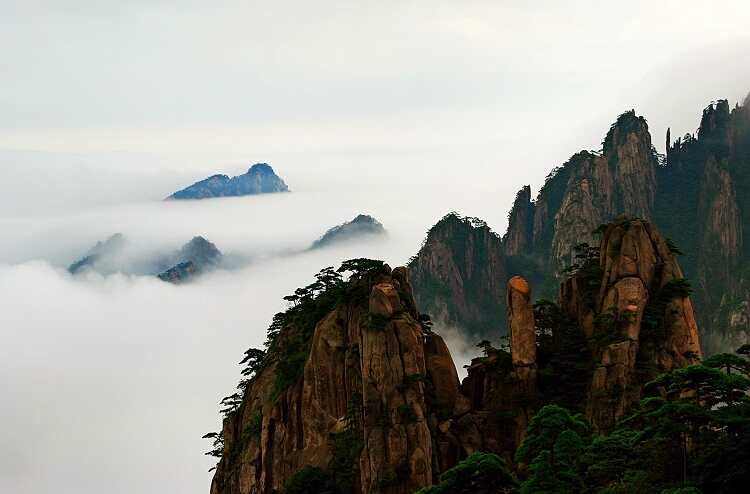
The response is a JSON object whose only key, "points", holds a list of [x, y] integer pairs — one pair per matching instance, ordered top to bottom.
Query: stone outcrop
{"points": [[620, 180], [696, 195], [519, 237], [721, 239], [179, 273], [460, 277], [634, 310], [521, 322], [364, 382], [378, 403]]}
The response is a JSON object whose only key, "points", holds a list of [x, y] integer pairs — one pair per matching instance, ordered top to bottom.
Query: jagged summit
{"points": [[259, 179], [361, 227], [195, 257], [458, 274], [356, 394]]}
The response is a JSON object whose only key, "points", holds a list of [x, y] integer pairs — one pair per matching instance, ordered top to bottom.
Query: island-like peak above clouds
{"points": [[259, 179], [360, 227]]}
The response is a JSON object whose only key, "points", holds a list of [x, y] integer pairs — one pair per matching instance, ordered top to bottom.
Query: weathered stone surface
{"points": [[620, 180], [520, 235], [636, 265], [459, 277], [383, 299], [521, 322], [352, 367], [441, 370], [400, 388]]}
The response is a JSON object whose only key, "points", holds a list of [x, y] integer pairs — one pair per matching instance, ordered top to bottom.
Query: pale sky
{"points": [[503, 91], [402, 110]]}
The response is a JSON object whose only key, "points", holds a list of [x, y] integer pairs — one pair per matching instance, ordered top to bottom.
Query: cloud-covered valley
{"points": [[110, 380]]}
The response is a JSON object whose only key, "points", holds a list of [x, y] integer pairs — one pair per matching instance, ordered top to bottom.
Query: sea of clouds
{"points": [[108, 382]]}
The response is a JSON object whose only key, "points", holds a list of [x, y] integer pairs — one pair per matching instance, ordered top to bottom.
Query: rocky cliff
{"points": [[622, 179], [698, 195], [520, 234], [460, 275], [633, 308], [355, 386], [356, 407]]}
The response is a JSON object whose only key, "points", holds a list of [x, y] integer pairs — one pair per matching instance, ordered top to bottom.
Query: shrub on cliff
{"points": [[480, 473]]}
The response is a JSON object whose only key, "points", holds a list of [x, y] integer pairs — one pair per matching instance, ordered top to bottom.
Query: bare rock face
{"points": [[620, 180], [578, 215], [520, 235], [721, 237], [460, 277], [383, 299], [638, 314], [521, 322], [441, 370], [363, 383]]}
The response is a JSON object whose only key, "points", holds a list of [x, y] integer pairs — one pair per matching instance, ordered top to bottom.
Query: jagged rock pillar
{"points": [[522, 335]]}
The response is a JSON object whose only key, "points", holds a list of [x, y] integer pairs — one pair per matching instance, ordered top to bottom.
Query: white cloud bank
{"points": [[404, 111], [108, 383]]}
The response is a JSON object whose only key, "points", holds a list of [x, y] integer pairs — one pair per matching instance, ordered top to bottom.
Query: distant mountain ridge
{"points": [[259, 179], [698, 195], [116, 254]]}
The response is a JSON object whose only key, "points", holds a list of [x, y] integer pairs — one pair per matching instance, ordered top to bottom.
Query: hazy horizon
{"points": [[404, 112]]}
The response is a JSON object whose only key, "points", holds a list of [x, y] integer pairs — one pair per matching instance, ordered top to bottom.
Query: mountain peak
{"points": [[259, 179]]}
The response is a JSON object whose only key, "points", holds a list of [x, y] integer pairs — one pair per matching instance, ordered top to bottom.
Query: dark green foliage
{"points": [[672, 247], [587, 260], [362, 266], [657, 304], [377, 320], [426, 322], [607, 328], [562, 356], [408, 415], [545, 430], [698, 437], [556, 439], [347, 446], [217, 447], [480, 473], [403, 474], [311, 479]]}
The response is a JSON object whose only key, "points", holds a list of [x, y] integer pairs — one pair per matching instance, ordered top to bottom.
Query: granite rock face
{"points": [[519, 237], [460, 277], [635, 312], [521, 322], [361, 378], [379, 396]]}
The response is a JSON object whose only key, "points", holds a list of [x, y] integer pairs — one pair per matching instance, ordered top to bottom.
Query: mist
{"points": [[401, 111], [109, 382]]}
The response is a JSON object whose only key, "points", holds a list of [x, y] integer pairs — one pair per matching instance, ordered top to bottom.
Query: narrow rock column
{"points": [[521, 322], [523, 349]]}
